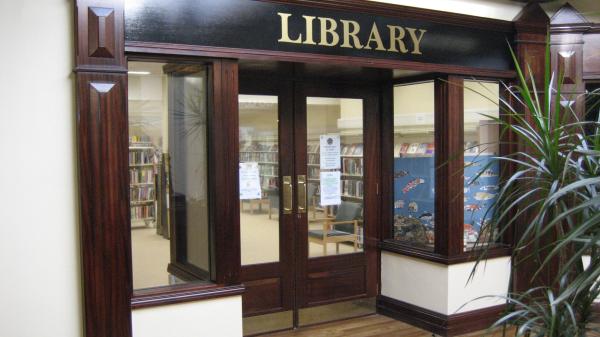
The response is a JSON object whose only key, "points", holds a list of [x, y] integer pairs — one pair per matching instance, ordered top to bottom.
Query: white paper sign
{"points": [[330, 152], [249, 181], [330, 188]]}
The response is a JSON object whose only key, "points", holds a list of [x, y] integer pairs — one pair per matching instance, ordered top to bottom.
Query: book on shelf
{"points": [[404, 148], [430, 148], [412, 149], [422, 149], [353, 188]]}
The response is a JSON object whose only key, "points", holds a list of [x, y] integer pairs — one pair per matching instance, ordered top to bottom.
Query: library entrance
{"points": [[308, 199]]}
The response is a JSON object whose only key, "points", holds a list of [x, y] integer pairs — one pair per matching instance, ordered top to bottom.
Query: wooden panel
{"points": [[100, 35], [591, 55], [566, 66], [449, 162], [223, 168], [103, 186], [332, 285], [262, 296]]}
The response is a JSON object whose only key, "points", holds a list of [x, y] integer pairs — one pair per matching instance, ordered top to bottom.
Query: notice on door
{"points": [[330, 152], [249, 181], [330, 188]]}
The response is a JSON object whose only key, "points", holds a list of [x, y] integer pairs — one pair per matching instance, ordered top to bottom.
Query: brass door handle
{"points": [[288, 191], [301, 194]]}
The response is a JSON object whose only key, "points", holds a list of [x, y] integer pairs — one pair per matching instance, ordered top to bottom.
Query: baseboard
{"points": [[444, 325]]}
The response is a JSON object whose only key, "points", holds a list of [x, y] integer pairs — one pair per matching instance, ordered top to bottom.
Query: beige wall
{"points": [[39, 246], [217, 317]]}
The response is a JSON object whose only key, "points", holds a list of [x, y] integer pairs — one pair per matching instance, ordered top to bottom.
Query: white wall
{"points": [[39, 247], [441, 288], [218, 317]]}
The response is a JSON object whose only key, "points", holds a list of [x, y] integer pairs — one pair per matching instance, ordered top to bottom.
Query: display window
{"points": [[414, 165]]}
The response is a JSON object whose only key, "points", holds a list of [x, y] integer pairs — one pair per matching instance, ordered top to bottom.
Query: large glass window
{"points": [[414, 165], [481, 171], [168, 173]]}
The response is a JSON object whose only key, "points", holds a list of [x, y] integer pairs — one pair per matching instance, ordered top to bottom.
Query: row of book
{"points": [[139, 139], [258, 147], [414, 148], [352, 150], [141, 157], [264, 157], [314, 158], [353, 166], [314, 172], [141, 176], [269, 183], [353, 188], [141, 193], [142, 212]]}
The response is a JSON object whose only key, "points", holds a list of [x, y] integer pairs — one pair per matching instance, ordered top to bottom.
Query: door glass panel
{"points": [[414, 165], [259, 179], [334, 188]]}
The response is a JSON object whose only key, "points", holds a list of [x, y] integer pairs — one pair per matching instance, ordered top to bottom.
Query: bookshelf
{"points": [[143, 170]]}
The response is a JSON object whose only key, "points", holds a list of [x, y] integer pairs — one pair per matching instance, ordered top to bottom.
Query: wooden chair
{"points": [[341, 228]]}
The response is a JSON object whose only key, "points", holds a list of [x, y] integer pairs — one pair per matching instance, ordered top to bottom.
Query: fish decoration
{"points": [[401, 173], [488, 174], [412, 184], [489, 188], [484, 196], [413, 207], [472, 207], [426, 216]]}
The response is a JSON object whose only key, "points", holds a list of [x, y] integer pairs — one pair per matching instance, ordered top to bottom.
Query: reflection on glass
{"points": [[481, 145], [414, 164], [168, 172], [334, 176], [259, 179]]}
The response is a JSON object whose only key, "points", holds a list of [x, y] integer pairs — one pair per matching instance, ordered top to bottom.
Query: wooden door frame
{"points": [[371, 199]]}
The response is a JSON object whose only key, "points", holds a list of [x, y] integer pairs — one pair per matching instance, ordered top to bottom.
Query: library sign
{"points": [[263, 25]]}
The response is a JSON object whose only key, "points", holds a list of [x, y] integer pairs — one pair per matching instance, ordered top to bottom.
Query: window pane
{"points": [[481, 134], [414, 164], [168, 173], [335, 175], [259, 179]]}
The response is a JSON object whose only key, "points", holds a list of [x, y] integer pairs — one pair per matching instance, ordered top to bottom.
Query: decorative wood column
{"points": [[531, 27], [567, 29], [101, 78], [449, 165]]}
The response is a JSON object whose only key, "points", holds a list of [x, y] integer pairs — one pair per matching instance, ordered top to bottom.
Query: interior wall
{"points": [[40, 287], [221, 316]]}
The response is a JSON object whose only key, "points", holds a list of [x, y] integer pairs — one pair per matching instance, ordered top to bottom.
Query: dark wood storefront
{"points": [[270, 48]]}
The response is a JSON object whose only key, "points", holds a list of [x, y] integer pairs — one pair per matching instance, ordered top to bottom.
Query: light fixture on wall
{"points": [[131, 72]]}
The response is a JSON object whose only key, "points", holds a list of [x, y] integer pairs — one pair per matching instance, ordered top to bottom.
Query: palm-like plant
{"points": [[552, 199]]}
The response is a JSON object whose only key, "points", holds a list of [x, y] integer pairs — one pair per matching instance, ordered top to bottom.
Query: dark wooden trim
{"points": [[391, 10], [252, 54], [449, 165], [224, 200], [407, 250], [187, 272], [179, 295], [445, 325]]}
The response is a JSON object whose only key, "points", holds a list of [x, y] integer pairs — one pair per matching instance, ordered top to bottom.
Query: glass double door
{"points": [[308, 202]]}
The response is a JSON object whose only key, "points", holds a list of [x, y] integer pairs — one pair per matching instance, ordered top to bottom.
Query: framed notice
{"points": [[330, 152], [249, 181], [330, 188]]}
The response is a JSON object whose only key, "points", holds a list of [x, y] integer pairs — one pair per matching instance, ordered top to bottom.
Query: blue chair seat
{"points": [[319, 233]]}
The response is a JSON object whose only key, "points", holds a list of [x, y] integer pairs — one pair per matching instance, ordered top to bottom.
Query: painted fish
{"points": [[401, 173], [488, 173], [412, 184], [489, 188], [484, 196], [399, 204], [413, 207], [472, 207], [426, 216]]}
